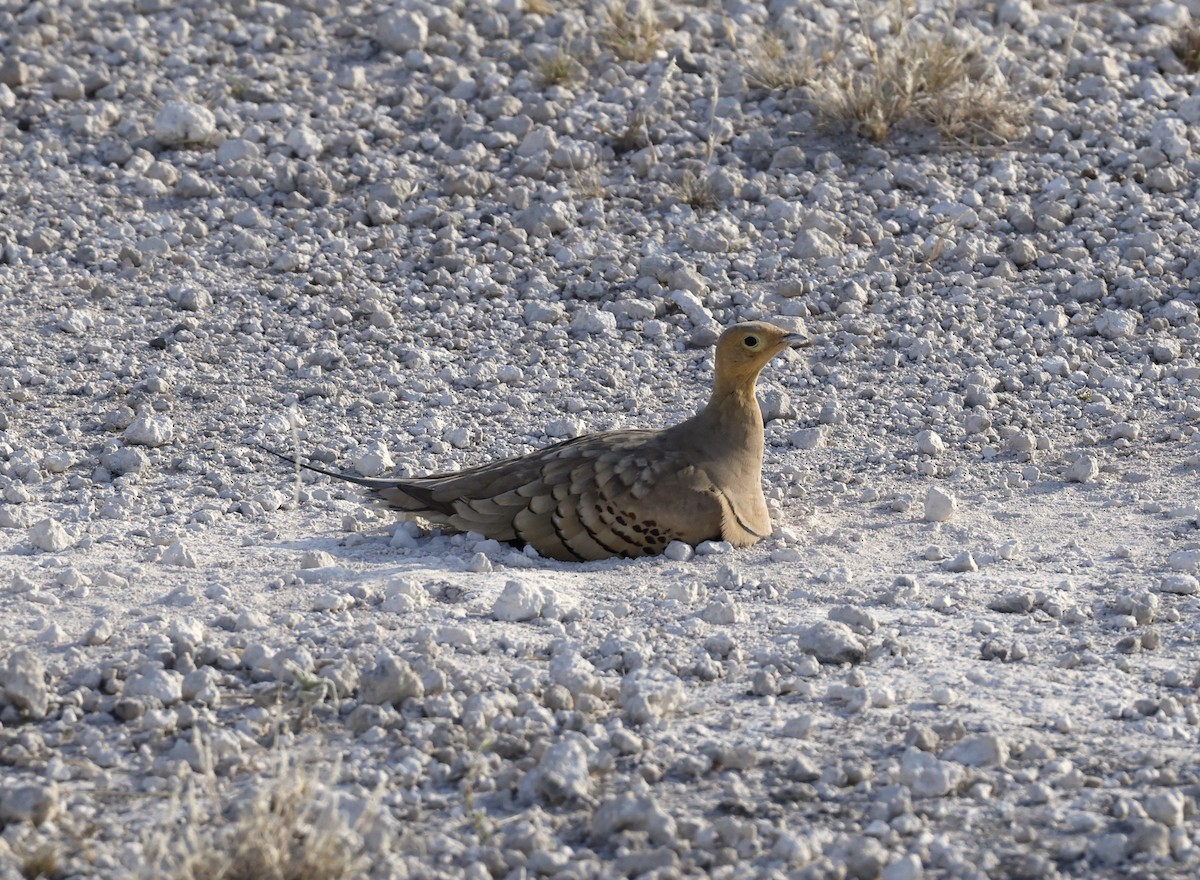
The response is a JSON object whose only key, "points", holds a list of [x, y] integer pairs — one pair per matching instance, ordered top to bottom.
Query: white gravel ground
{"points": [[969, 650]]}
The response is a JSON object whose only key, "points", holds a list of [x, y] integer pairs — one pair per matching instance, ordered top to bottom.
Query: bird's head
{"points": [[744, 349]]}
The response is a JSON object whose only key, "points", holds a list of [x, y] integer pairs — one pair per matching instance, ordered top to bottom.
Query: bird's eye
{"points": [[751, 342]]}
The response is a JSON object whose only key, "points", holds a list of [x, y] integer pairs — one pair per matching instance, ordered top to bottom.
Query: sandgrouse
{"points": [[620, 493]]}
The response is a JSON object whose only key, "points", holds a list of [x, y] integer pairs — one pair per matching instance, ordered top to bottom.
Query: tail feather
{"points": [[370, 482], [404, 495]]}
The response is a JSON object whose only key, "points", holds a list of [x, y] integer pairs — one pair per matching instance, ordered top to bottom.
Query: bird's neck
{"points": [[733, 409]]}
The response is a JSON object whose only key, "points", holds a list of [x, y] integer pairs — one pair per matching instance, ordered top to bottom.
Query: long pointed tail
{"points": [[369, 482]]}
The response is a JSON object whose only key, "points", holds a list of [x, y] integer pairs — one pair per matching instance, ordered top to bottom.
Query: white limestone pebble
{"points": [[402, 30], [182, 123], [304, 142], [1116, 323], [150, 430], [808, 438], [930, 442], [1021, 442], [373, 459], [1084, 469], [940, 505], [50, 535], [678, 551], [179, 554], [316, 559], [1184, 560], [962, 563], [1179, 584], [404, 596], [520, 600], [723, 610], [99, 632], [831, 642], [392, 680], [25, 683], [163, 685], [647, 695], [979, 750], [562, 775], [927, 775], [1167, 807], [635, 813], [907, 867]]}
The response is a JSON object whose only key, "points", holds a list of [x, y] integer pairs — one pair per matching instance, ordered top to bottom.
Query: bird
{"points": [[620, 493]]}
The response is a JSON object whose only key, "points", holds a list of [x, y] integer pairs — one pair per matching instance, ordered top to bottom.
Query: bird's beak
{"points": [[794, 340]]}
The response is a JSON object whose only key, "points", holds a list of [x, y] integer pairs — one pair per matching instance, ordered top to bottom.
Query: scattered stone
{"points": [[181, 123], [150, 431], [930, 443], [1084, 469], [940, 505], [49, 535], [179, 554], [963, 563], [521, 601], [1016, 602], [832, 642], [391, 681], [25, 683], [162, 685], [650, 695], [980, 750], [562, 775], [927, 776], [35, 803]]}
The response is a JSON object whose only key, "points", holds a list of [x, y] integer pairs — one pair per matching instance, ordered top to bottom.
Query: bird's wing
{"points": [[619, 493]]}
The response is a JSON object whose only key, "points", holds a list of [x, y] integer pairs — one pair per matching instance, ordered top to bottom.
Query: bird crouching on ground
{"points": [[619, 493]]}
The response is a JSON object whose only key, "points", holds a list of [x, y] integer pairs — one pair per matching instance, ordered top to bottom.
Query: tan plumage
{"points": [[621, 493]]}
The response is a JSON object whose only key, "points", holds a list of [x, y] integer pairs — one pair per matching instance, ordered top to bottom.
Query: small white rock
{"points": [[402, 31], [180, 123], [150, 431], [808, 438], [930, 443], [373, 459], [1084, 469], [940, 505], [49, 535], [678, 551], [178, 554], [963, 563], [1179, 584], [520, 601], [832, 642], [24, 683], [163, 685], [980, 750]]}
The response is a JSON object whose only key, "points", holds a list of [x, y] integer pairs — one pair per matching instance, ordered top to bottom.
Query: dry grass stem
{"points": [[631, 36], [1187, 47], [772, 67], [558, 69], [932, 79], [697, 190], [289, 828]]}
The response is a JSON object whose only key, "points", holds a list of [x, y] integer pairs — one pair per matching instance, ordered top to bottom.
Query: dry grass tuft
{"points": [[631, 36], [1187, 47], [771, 66], [559, 68], [933, 79], [697, 190], [288, 828], [41, 863]]}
